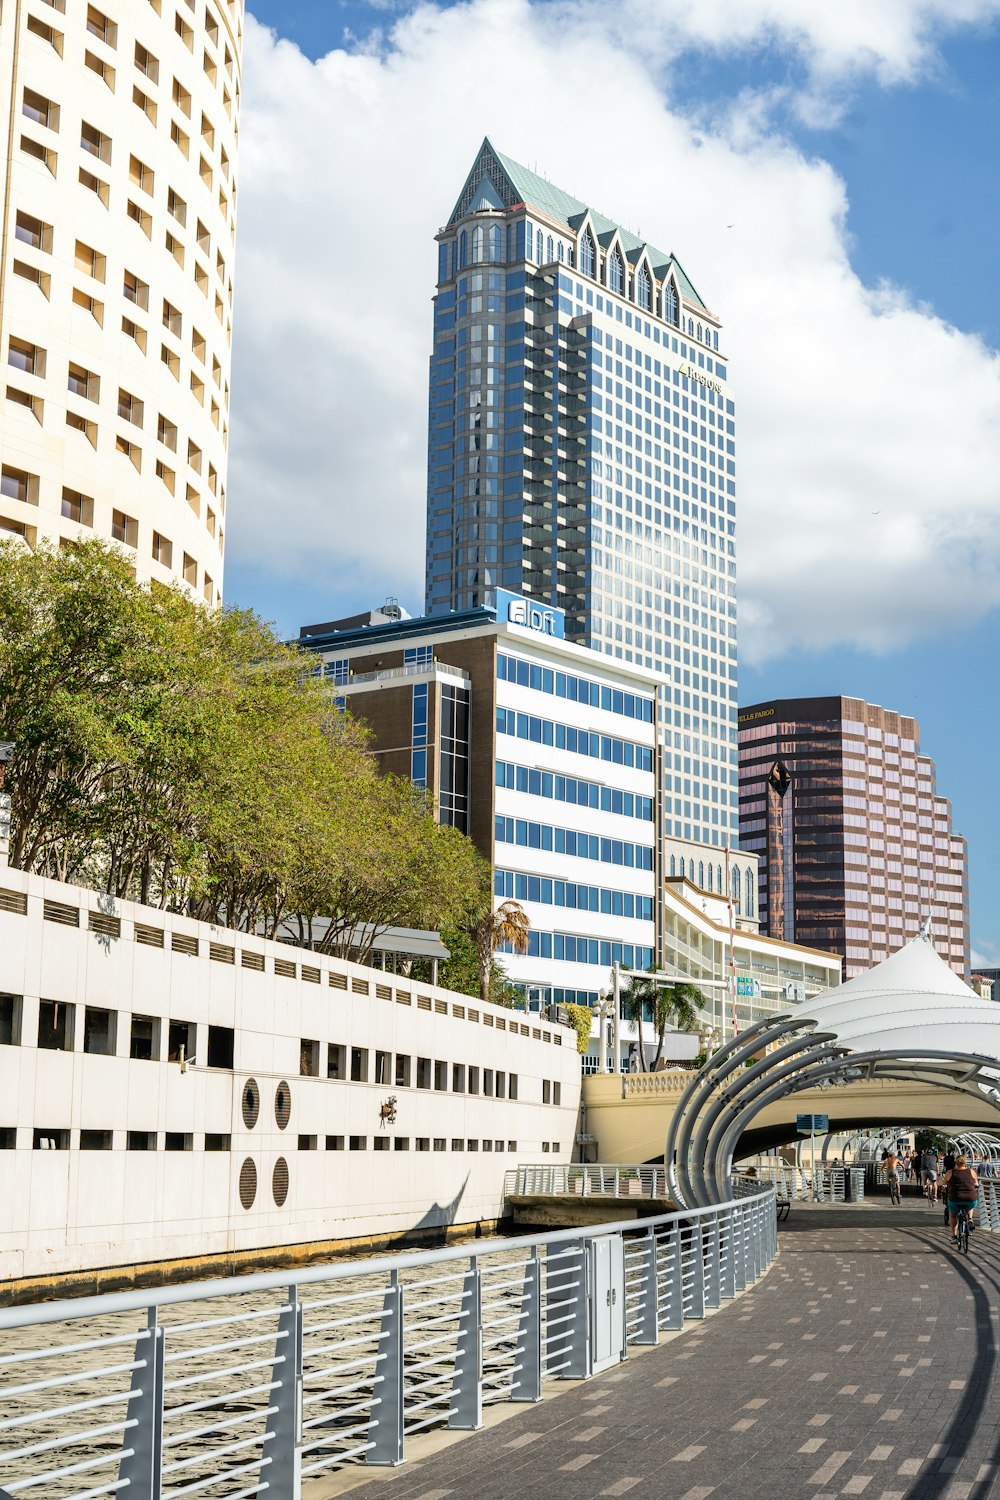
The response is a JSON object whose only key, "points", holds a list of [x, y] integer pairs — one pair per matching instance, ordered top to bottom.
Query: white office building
{"points": [[116, 280], [542, 751]]}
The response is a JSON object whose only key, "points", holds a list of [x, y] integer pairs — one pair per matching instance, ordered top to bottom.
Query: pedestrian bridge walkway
{"points": [[863, 1363]]}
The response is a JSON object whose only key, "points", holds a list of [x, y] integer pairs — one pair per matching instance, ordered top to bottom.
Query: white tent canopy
{"points": [[910, 1001]]}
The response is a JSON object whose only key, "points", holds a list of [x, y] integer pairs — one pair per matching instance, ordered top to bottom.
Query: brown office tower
{"points": [[856, 848]]}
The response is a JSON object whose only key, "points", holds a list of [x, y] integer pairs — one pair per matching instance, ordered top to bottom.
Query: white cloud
{"points": [[869, 441], [984, 955]]}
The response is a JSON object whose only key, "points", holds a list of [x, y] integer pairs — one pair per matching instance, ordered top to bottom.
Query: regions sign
{"points": [[693, 374], [515, 609]]}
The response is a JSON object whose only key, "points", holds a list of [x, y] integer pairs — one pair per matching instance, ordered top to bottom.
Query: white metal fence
{"points": [[587, 1181], [796, 1183], [251, 1385]]}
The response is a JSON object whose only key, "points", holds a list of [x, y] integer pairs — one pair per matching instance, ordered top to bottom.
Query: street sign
{"points": [[806, 1124]]}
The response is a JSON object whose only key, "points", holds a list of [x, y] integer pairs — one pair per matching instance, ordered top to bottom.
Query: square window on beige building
{"points": [[101, 26], [46, 33], [147, 64], [101, 67], [145, 103], [42, 111], [95, 141], [35, 149], [141, 175], [94, 185], [141, 217], [33, 232], [90, 261], [135, 290], [89, 304], [171, 318], [133, 331], [27, 357], [84, 383], [130, 408], [79, 423], [166, 432], [131, 450], [166, 474], [16, 484], [77, 507], [124, 528], [162, 550], [190, 570]]}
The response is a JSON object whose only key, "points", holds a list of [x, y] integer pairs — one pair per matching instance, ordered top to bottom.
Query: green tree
{"points": [[186, 758], [508, 923], [668, 1004]]}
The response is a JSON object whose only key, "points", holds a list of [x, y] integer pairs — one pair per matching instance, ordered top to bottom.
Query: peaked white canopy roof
{"points": [[910, 1001]]}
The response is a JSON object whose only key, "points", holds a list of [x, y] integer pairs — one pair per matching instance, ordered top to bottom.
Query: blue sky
{"points": [[908, 140]]}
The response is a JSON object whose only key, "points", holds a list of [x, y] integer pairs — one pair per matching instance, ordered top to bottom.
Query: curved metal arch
{"points": [[811, 1076], [725, 1096]]}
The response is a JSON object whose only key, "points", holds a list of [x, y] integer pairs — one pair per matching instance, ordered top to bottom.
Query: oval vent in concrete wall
{"points": [[251, 1103], [282, 1105], [279, 1181], [248, 1182]]}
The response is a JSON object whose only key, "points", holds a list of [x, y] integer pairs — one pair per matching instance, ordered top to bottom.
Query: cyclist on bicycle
{"points": [[947, 1165], [892, 1171], [961, 1185]]}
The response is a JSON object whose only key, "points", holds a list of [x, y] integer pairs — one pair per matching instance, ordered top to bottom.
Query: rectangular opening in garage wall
{"points": [[10, 1020], [55, 1026], [144, 1042]]}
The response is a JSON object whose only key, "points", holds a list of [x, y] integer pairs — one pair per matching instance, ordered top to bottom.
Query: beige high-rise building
{"points": [[116, 276]]}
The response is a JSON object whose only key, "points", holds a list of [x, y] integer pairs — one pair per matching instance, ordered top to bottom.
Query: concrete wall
{"points": [[66, 1209]]}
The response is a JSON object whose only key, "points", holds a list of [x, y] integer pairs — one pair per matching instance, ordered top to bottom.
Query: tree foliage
{"points": [[187, 759], [670, 1004], [581, 1018]]}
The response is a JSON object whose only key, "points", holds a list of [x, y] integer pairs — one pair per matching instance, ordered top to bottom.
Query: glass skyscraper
{"points": [[581, 452]]}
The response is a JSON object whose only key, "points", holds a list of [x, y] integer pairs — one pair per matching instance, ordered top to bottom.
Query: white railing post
{"points": [[697, 1270], [672, 1280], [713, 1281], [728, 1287], [567, 1312], [648, 1331], [528, 1371], [467, 1377], [385, 1429], [142, 1461], [281, 1463]]}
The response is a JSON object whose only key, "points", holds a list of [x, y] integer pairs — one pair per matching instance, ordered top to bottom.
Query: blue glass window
{"points": [[587, 254], [615, 279], [642, 287], [670, 304], [418, 739]]}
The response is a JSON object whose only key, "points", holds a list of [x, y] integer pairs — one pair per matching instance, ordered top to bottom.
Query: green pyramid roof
{"points": [[517, 184]]}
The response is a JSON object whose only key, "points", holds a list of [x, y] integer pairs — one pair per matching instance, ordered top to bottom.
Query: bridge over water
{"points": [[630, 1115]]}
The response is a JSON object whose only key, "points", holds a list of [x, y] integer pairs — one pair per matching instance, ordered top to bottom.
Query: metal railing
{"points": [[593, 1181], [796, 1183], [251, 1385]]}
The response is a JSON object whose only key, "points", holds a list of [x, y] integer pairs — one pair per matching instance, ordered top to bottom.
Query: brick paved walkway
{"points": [[863, 1364]]}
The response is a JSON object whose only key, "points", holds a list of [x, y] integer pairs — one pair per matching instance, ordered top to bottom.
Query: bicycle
{"points": [[963, 1228]]}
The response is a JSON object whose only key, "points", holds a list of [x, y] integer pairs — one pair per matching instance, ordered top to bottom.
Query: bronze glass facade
{"points": [[856, 848]]}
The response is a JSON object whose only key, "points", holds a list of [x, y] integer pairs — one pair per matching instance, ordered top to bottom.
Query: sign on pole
{"points": [[809, 1124]]}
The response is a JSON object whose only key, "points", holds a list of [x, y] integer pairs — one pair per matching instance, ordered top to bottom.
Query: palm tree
{"points": [[507, 924], [676, 1003]]}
